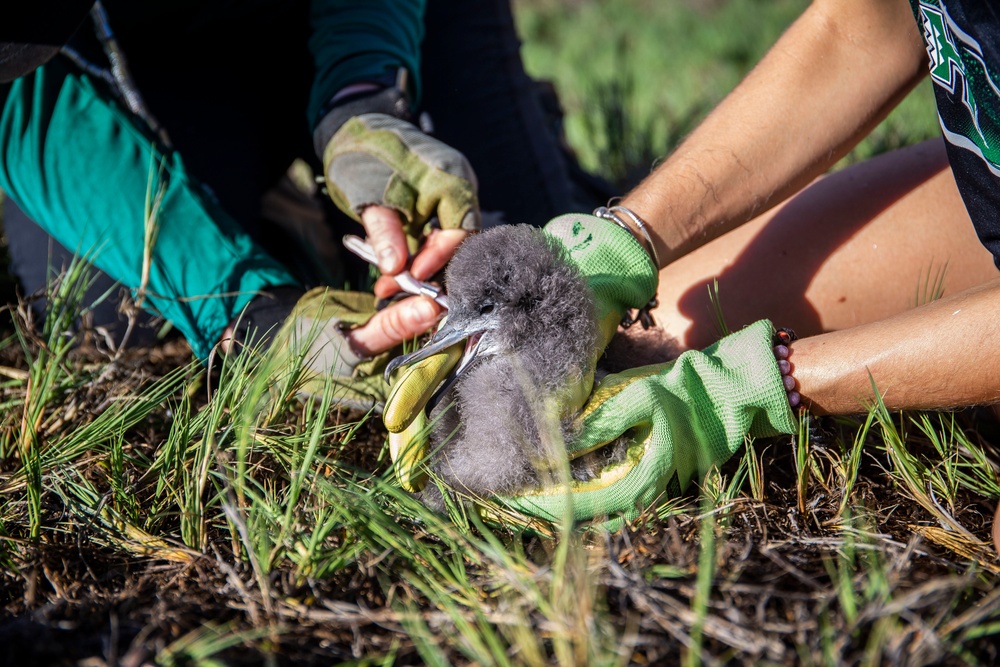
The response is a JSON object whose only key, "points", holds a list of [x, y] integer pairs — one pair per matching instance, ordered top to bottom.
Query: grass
{"points": [[153, 511], [246, 525]]}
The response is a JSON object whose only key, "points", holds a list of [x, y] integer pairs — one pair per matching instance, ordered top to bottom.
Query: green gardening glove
{"points": [[375, 158], [618, 270], [621, 276], [681, 418]]}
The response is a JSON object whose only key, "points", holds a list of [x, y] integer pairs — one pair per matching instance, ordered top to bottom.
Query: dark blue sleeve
{"points": [[362, 40]]}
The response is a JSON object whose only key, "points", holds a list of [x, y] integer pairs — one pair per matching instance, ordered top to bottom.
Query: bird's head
{"points": [[512, 289]]}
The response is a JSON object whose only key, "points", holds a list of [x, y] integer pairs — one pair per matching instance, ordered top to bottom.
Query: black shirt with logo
{"points": [[963, 44]]}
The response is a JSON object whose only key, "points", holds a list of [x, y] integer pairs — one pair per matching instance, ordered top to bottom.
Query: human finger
{"points": [[384, 228], [438, 249], [385, 287], [399, 322]]}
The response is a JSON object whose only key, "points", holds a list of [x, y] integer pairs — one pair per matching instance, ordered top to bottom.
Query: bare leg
{"points": [[854, 247], [842, 263], [911, 357]]}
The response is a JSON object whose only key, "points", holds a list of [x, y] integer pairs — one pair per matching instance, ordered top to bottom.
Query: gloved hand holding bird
{"points": [[498, 398]]}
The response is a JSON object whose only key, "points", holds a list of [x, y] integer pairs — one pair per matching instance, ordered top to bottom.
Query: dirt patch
{"points": [[794, 578]]}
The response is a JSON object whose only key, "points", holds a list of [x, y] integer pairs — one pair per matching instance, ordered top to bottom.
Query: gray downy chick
{"points": [[530, 327]]}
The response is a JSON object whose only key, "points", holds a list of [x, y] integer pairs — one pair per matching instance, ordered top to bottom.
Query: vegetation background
{"points": [[635, 76], [155, 513]]}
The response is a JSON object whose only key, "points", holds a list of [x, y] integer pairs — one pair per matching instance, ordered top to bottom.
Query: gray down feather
{"points": [[540, 326]]}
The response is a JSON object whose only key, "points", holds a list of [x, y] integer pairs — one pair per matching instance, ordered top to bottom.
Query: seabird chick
{"points": [[531, 329]]}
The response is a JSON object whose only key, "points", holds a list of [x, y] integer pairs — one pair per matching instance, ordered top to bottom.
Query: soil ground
{"points": [[69, 598]]}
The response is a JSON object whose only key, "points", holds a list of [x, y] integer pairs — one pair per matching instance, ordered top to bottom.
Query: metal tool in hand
{"points": [[404, 279]]}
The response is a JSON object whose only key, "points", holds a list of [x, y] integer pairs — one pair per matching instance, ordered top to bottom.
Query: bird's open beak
{"points": [[445, 337]]}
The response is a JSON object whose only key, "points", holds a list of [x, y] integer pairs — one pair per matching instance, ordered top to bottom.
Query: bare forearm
{"points": [[819, 90], [941, 355]]}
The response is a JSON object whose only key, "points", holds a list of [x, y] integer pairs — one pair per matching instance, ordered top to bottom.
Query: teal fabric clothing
{"points": [[76, 162], [79, 164]]}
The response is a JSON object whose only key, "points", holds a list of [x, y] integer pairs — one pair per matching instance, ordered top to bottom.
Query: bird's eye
{"points": [[486, 309]]}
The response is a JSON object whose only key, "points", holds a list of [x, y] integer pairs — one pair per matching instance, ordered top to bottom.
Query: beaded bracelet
{"points": [[782, 339]]}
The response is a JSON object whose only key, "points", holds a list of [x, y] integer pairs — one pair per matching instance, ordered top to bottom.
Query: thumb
{"points": [[457, 204], [398, 323], [619, 402], [608, 415]]}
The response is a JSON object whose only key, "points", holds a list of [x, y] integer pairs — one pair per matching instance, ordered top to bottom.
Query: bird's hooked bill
{"points": [[445, 337]]}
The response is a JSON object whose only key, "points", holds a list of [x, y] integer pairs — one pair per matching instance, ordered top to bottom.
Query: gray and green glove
{"points": [[378, 159], [621, 276], [311, 349], [680, 418]]}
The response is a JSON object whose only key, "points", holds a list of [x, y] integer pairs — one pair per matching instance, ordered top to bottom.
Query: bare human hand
{"points": [[384, 228], [398, 323]]}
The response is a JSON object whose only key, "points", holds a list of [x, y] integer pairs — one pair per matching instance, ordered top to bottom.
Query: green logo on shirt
{"points": [[957, 65]]}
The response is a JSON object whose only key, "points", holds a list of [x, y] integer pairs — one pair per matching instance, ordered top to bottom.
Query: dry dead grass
{"points": [[135, 558]]}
